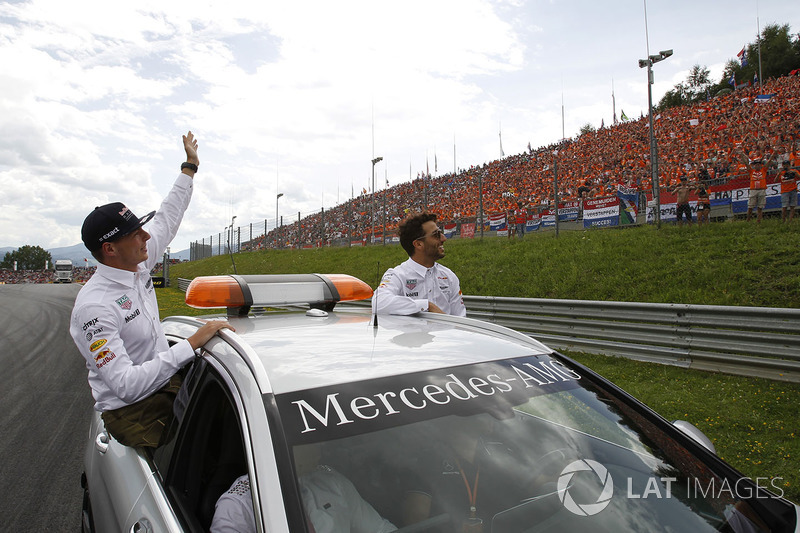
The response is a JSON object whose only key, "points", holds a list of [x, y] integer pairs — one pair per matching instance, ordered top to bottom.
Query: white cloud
{"points": [[97, 93]]}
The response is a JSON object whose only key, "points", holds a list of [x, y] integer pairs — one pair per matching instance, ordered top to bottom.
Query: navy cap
{"points": [[110, 222]]}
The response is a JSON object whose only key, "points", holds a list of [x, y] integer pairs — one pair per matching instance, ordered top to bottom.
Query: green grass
{"points": [[733, 263], [753, 422]]}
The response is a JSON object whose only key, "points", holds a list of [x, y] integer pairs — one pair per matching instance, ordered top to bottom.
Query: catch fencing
{"points": [[746, 341]]}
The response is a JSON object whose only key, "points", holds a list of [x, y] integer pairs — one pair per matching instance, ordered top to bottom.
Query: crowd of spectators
{"points": [[703, 142], [79, 275], [27, 276]]}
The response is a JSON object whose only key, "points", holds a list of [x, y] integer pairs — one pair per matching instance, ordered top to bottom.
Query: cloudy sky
{"points": [[297, 97]]}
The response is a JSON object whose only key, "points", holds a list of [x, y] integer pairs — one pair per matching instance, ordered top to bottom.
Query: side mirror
{"points": [[692, 431]]}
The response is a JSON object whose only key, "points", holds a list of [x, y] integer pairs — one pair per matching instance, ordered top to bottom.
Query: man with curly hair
{"points": [[420, 283]]}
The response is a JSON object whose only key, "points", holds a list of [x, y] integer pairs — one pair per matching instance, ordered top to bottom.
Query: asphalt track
{"points": [[45, 402]]}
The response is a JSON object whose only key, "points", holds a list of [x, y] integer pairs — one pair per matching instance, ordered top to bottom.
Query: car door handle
{"points": [[101, 442], [142, 526]]}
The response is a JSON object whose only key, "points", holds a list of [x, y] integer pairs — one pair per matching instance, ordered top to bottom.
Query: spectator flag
{"points": [[742, 57], [755, 78], [732, 81], [763, 98], [623, 116]]}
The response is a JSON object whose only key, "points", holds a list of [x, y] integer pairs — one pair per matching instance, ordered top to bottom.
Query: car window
{"points": [[529, 444], [205, 453]]}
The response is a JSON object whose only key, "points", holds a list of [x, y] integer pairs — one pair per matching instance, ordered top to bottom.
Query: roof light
{"points": [[239, 293]]}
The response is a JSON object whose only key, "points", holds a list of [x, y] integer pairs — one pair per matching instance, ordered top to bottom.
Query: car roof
{"points": [[302, 350]]}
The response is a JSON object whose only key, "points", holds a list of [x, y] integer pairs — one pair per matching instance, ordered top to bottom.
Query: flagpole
{"points": [[758, 38], [613, 103], [500, 126], [563, 134], [455, 168], [385, 187], [372, 200]]}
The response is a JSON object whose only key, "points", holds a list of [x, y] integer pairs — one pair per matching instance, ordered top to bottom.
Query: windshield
{"points": [[64, 267], [523, 445]]}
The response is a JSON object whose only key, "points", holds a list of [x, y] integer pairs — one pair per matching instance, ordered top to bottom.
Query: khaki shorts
{"points": [[758, 198], [143, 423]]}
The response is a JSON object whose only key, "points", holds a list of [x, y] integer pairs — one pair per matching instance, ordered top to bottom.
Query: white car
{"points": [[427, 422]]}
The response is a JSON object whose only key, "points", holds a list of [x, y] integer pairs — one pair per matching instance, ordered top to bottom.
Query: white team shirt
{"points": [[407, 288], [115, 321], [330, 501], [334, 505], [233, 512]]}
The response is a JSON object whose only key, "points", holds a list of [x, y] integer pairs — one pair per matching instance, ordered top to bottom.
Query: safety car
{"points": [[433, 422]]}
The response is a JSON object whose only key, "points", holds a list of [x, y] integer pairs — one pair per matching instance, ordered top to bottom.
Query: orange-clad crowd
{"points": [[708, 142]]}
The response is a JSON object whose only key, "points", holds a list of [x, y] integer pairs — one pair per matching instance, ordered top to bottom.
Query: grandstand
{"points": [[704, 141]]}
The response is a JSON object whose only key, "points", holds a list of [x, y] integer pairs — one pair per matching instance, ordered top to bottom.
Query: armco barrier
{"points": [[748, 341]]}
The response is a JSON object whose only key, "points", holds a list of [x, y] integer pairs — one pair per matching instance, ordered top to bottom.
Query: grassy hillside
{"points": [[732, 263]]}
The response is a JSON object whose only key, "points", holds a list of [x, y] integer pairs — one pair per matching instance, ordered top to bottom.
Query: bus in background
{"points": [[63, 271]]}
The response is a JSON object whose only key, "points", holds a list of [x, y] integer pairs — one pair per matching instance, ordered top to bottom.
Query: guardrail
{"points": [[748, 341]]}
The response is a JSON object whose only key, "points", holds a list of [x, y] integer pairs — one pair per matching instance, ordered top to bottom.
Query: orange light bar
{"points": [[350, 288], [214, 291], [242, 292]]}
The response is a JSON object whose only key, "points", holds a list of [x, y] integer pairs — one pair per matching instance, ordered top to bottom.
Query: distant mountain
{"points": [[78, 252], [75, 253]]}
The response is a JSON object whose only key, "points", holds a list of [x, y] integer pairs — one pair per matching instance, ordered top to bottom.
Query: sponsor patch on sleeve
{"points": [[96, 345]]}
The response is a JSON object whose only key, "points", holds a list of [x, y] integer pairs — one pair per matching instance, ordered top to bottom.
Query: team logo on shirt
{"points": [[410, 284], [124, 302], [91, 334], [96, 345], [104, 357]]}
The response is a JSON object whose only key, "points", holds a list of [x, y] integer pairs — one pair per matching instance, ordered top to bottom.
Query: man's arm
{"points": [[167, 220], [457, 307], [108, 360], [234, 509]]}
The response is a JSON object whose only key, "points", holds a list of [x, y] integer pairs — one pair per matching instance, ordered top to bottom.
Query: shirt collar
{"points": [[417, 268], [123, 277]]}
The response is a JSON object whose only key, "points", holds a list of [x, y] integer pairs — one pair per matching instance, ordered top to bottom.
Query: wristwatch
{"points": [[190, 166]]}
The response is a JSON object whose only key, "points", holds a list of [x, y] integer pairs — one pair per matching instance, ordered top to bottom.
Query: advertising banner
{"points": [[568, 211], [601, 212], [497, 222], [533, 223]]}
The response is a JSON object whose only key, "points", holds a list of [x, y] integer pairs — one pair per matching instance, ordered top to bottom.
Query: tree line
{"points": [[780, 55], [28, 258]]}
